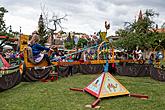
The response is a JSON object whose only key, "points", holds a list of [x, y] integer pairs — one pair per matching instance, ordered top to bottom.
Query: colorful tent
{"points": [[3, 62], [9, 75], [105, 86]]}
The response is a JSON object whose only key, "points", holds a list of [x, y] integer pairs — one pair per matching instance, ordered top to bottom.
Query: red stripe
{"points": [[2, 37], [93, 80], [101, 84], [91, 92]]}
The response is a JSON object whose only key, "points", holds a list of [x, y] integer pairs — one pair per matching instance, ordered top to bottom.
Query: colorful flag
{"points": [[103, 36]]}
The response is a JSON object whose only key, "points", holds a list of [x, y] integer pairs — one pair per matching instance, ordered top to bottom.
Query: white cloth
{"points": [[38, 59]]}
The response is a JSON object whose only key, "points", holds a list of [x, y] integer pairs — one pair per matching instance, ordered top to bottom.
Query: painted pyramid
{"points": [[105, 86]]}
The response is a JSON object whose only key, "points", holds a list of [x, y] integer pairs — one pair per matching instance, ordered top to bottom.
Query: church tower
{"points": [[140, 17]]}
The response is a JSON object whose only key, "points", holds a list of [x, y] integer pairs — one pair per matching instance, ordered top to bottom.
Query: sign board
{"points": [[23, 42]]}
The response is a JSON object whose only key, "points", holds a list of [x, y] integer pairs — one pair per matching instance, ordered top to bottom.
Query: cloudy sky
{"points": [[86, 16]]}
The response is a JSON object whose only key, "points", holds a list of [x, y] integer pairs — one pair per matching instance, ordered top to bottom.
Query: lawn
{"points": [[57, 96]]}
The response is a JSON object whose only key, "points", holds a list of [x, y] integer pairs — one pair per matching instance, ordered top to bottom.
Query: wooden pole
{"points": [[77, 89], [139, 96], [95, 103]]}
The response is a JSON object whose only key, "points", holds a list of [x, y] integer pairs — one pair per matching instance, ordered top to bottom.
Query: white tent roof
{"points": [[7, 47]]}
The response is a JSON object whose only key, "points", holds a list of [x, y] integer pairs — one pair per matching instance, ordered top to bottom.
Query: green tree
{"points": [[2, 22], [3, 29], [42, 30], [122, 33], [139, 33], [82, 42], [69, 43]]}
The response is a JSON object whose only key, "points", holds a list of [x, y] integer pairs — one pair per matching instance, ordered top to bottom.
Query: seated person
{"points": [[37, 49], [8, 53], [55, 55], [77, 56]]}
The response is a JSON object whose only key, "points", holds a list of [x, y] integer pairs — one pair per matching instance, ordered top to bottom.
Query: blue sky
{"points": [[85, 16]]}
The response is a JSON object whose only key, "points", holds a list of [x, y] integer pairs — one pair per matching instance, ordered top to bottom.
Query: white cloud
{"points": [[83, 15]]}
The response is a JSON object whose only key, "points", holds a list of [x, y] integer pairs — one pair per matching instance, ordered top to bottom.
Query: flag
{"points": [[103, 36]]}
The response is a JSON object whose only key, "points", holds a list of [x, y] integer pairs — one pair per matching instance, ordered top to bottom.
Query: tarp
{"points": [[84, 69], [90, 69], [123, 69], [133, 69], [64, 70], [141, 70], [157, 73], [34, 74], [10, 78]]}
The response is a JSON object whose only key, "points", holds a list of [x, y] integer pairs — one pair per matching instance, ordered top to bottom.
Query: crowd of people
{"points": [[89, 54]]}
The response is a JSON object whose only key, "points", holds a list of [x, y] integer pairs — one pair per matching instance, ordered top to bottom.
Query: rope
{"points": [[67, 55]]}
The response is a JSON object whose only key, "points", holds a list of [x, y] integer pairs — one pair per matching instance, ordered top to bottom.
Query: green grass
{"points": [[57, 96]]}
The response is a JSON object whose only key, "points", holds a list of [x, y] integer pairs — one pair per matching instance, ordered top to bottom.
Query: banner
{"points": [[103, 36], [23, 42]]}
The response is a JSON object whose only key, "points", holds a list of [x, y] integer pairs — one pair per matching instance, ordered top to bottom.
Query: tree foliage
{"points": [[2, 22], [3, 28], [42, 30], [139, 33], [69, 42], [82, 42]]}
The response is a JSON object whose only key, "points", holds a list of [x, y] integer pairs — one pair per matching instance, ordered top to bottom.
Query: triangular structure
{"points": [[140, 17], [3, 62], [105, 86]]}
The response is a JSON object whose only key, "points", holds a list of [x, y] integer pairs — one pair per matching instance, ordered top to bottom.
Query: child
{"points": [[37, 49], [8, 53]]}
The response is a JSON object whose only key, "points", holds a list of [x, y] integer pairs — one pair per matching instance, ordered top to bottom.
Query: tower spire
{"points": [[140, 17]]}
